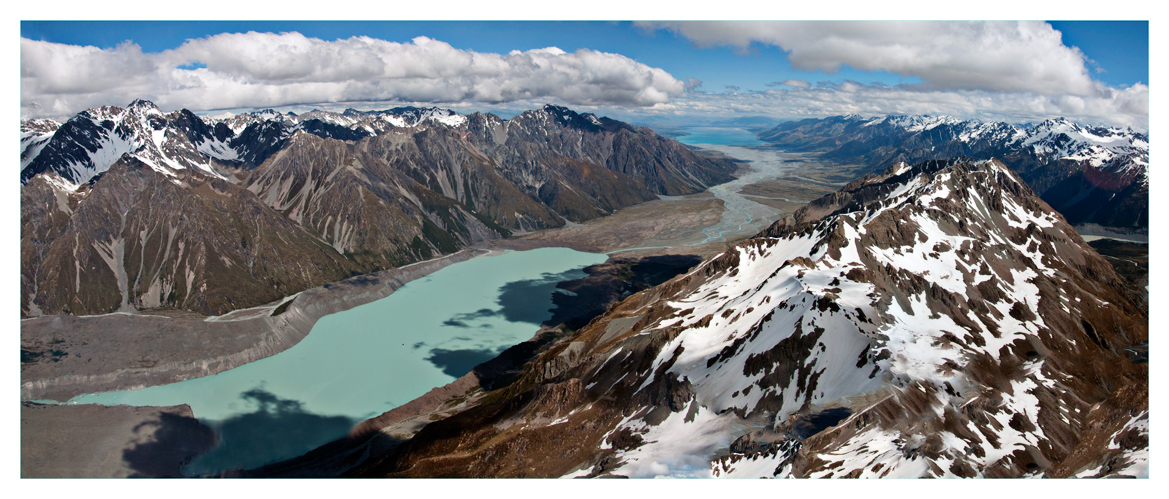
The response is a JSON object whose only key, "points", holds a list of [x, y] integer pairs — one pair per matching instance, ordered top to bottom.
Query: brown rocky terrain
{"points": [[226, 232], [864, 368], [606, 417]]}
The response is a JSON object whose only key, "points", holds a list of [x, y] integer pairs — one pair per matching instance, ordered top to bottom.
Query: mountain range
{"points": [[1090, 174], [132, 208]]}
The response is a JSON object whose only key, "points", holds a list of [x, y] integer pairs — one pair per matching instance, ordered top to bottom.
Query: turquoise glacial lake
{"points": [[725, 136], [359, 363]]}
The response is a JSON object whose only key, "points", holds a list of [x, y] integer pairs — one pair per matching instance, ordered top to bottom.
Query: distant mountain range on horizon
{"points": [[1089, 174]]}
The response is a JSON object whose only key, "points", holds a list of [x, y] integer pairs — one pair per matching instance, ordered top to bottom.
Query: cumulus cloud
{"points": [[959, 55], [267, 69], [999, 71]]}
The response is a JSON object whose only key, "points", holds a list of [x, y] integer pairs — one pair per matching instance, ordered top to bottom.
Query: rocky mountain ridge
{"points": [[1090, 174], [132, 209], [936, 320]]}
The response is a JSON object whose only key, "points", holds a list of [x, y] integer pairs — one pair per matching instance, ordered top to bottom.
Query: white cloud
{"points": [[959, 55], [268, 70]]}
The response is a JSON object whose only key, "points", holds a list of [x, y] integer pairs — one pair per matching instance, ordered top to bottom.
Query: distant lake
{"points": [[726, 136], [367, 360]]}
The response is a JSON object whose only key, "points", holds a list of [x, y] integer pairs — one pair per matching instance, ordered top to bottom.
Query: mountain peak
{"points": [[142, 104], [572, 119], [1059, 122]]}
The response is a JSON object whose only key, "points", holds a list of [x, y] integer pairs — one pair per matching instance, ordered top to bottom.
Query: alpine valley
{"points": [[130, 208], [937, 316]]}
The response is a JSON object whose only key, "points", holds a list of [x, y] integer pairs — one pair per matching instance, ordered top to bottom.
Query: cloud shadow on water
{"points": [[530, 300], [460, 320], [456, 363], [279, 429]]}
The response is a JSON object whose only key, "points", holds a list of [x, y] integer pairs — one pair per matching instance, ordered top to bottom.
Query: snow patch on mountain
{"points": [[1056, 138], [863, 303]]}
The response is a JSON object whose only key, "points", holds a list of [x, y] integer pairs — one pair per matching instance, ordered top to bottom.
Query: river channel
{"points": [[741, 216]]}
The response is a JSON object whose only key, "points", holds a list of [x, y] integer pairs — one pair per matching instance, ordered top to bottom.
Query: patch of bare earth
{"points": [[674, 222], [94, 441]]}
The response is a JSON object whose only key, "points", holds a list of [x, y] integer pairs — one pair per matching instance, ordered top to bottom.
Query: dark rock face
{"points": [[260, 140], [73, 143], [1089, 174], [1131, 262], [934, 320]]}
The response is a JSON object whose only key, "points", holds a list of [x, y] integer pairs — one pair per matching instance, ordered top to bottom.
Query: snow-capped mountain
{"points": [[368, 123], [34, 134], [1056, 139], [87, 144], [1099, 146], [1089, 174], [936, 320]]}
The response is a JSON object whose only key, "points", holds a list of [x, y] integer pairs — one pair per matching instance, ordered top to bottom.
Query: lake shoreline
{"points": [[171, 349], [121, 351], [360, 362]]}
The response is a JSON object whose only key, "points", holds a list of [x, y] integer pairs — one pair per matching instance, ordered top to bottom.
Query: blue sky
{"points": [[1121, 48], [783, 71]]}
